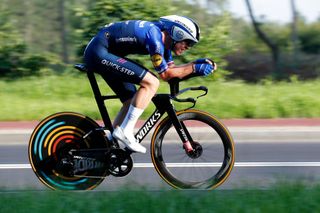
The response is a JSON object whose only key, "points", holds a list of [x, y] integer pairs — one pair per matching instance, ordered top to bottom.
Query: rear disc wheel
{"points": [[50, 145]]}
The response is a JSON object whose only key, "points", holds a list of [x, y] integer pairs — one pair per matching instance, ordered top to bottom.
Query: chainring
{"points": [[120, 163]]}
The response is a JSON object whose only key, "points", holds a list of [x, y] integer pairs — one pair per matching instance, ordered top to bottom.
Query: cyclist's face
{"points": [[180, 47]]}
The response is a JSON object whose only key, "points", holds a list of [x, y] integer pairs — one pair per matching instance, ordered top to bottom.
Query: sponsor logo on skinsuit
{"points": [[127, 39], [122, 60], [156, 60], [117, 67]]}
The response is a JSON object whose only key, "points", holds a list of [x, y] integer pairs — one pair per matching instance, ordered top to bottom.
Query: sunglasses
{"points": [[190, 43]]}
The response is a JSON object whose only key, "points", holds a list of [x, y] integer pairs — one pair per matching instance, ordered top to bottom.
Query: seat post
{"points": [[100, 101]]}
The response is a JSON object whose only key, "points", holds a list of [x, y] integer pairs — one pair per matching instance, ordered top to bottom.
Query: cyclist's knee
{"points": [[150, 82]]}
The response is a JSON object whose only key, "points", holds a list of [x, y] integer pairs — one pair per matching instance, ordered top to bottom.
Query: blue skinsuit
{"points": [[105, 54]]}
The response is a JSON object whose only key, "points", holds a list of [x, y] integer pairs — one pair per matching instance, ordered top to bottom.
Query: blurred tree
{"points": [[102, 12], [43, 24], [60, 27], [63, 31], [294, 34], [274, 48], [15, 61]]}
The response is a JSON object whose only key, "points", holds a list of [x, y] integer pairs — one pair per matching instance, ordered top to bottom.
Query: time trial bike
{"points": [[190, 149]]}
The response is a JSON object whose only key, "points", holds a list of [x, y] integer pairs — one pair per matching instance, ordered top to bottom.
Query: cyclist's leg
{"points": [[121, 74], [148, 88], [127, 92], [141, 99], [122, 113]]}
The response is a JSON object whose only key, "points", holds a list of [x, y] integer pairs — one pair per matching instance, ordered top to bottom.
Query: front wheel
{"points": [[212, 160]]}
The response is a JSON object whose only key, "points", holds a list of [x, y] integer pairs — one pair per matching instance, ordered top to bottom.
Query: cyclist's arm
{"points": [[174, 71]]}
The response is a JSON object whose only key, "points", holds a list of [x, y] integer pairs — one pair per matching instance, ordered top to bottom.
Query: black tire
{"points": [[50, 142], [206, 171]]}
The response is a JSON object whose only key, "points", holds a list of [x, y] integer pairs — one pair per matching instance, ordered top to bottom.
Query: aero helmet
{"points": [[181, 28]]}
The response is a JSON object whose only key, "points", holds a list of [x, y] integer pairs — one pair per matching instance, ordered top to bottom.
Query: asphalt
{"points": [[292, 130]]}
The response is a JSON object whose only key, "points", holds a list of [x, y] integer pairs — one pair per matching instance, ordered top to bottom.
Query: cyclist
{"points": [[105, 54]]}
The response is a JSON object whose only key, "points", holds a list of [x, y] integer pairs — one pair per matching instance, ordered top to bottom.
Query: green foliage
{"points": [[107, 11], [31, 31], [281, 34], [30, 35], [309, 38], [214, 43], [14, 58], [252, 61], [16, 62]]}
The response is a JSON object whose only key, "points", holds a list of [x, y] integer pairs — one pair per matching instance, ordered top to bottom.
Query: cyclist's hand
{"points": [[203, 60], [204, 69]]}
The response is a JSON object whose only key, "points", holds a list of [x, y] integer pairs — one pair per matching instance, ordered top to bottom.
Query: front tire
{"points": [[209, 168]]}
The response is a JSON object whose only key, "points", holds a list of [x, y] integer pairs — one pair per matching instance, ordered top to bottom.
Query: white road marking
{"points": [[239, 164], [202, 165], [15, 166]]}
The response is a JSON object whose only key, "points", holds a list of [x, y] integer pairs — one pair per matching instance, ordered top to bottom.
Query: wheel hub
{"points": [[196, 152]]}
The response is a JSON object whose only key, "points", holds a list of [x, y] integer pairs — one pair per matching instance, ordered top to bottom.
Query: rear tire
{"points": [[50, 143], [209, 167]]}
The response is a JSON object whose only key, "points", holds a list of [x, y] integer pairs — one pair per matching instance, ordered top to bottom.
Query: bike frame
{"points": [[163, 105]]}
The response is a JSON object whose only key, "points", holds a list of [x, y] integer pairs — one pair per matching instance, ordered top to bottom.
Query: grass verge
{"points": [[33, 98], [289, 198]]}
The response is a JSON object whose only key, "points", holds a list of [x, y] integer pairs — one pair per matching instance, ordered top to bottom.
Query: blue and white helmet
{"points": [[181, 28]]}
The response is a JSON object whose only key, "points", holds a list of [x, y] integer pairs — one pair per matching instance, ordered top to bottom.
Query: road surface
{"points": [[264, 155]]}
